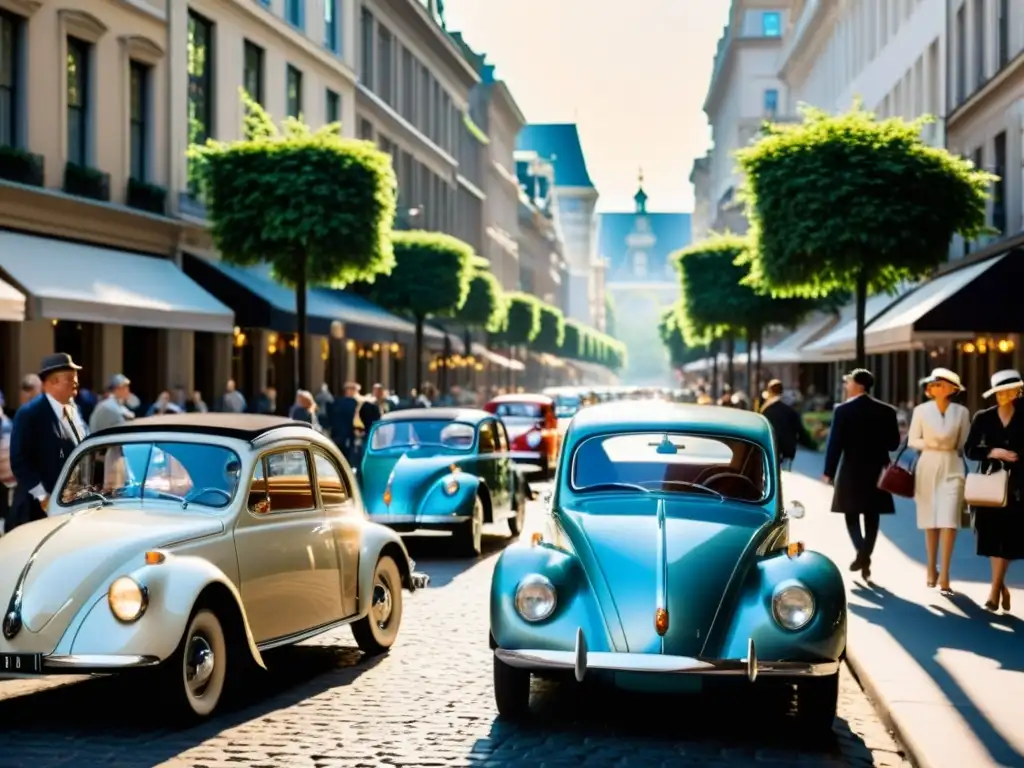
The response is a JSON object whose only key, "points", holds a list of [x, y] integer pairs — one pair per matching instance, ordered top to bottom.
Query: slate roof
{"points": [[562, 141], [671, 230]]}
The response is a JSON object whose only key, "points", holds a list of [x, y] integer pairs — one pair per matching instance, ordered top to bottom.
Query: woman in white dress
{"points": [[938, 430]]}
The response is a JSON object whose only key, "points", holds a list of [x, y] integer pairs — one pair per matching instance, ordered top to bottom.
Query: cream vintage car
{"points": [[185, 546]]}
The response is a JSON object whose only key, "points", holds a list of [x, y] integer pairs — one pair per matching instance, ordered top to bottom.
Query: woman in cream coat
{"points": [[938, 430]]}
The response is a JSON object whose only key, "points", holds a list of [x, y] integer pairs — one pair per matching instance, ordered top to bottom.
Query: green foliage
{"points": [[841, 200], [313, 205], [431, 276], [485, 304], [609, 315], [522, 320], [670, 329], [551, 335], [571, 341]]}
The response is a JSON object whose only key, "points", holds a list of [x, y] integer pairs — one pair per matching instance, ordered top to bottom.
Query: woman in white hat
{"points": [[938, 430], [997, 440]]}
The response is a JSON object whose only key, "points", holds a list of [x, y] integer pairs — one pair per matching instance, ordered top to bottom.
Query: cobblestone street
{"points": [[429, 703]]}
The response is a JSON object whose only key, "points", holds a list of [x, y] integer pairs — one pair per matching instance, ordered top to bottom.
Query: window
{"points": [[295, 13], [771, 24], [1004, 33], [331, 37], [979, 43], [961, 56], [366, 70], [385, 73], [252, 75], [408, 84], [200, 85], [139, 92], [10, 93], [294, 95], [78, 101], [771, 102], [333, 107], [446, 115], [424, 116], [435, 117], [366, 130], [385, 144], [999, 188], [400, 436], [502, 437], [488, 438], [282, 479], [333, 490]]}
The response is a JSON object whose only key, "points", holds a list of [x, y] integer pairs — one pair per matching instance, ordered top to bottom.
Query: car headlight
{"points": [[533, 439], [451, 487], [535, 598], [128, 599], [793, 606]]}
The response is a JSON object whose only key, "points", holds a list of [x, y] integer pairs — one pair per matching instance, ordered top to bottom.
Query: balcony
{"points": [[21, 167], [83, 181], [146, 197]]}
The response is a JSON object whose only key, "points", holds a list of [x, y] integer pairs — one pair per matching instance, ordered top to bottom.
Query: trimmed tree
{"points": [[850, 203], [314, 206], [431, 278], [484, 308], [609, 315], [522, 323], [551, 335], [571, 340]]}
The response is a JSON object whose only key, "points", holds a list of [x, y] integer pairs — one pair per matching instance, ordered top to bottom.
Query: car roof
{"points": [[521, 398], [470, 415], [660, 415], [244, 426]]}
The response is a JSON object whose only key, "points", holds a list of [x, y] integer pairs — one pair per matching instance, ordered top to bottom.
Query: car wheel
{"points": [[517, 521], [468, 538], [377, 631], [196, 673], [511, 690], [816, 702]]}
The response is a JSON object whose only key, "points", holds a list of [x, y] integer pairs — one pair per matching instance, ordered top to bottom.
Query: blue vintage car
{"points": [[443, 469], [665, 563]]}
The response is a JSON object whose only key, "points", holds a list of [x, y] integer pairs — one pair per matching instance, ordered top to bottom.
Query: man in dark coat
{"points": [[342, 416], [786, 424], [46, 431], [864, 432]]}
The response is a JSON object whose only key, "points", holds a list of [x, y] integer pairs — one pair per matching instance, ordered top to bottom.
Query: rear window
{"points": [[519, 410]]}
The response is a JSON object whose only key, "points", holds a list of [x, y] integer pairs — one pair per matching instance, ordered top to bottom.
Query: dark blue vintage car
{"points": [[443, 469]]}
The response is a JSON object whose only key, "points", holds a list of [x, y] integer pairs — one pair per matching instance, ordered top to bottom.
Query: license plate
{"points": [[21, 663]]}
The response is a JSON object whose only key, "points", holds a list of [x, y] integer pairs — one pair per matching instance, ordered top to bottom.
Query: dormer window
{"points": [[771, 24]]}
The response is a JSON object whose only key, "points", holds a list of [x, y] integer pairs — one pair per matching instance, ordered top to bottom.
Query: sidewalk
{"points": [[949, 675]]}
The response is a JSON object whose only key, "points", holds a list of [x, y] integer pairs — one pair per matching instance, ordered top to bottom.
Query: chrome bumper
{"points": [[526, 456], [424, 521], [419, 580], [581, 660], [94, 662]]}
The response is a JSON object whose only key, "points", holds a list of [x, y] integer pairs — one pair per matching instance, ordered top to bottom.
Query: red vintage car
{"points": [[532, 428]]}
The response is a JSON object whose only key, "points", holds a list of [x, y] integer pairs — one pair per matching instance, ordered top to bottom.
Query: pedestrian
{"points": [[31, 386], [232, 401], [304, 409], [112, 410], [342, 417], [787, 425], [46, 431], [864, 431], [938, 431], [996, 440], [7, 481]]}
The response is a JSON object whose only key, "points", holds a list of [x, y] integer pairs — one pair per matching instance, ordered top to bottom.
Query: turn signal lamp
{"points": [[452, 487], [387, 497], [536, 538], [794, 549], [155, 558], [661, 621]]}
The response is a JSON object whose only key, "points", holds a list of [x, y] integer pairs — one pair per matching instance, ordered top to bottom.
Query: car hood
{"points": [[410, 474], [619, 543], [72, 555]]}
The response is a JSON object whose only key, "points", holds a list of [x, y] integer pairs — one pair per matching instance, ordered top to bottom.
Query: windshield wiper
{"points": [[688, 484], [614, 486]]}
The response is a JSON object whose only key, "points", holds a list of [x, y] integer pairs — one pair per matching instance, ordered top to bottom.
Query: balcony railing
{"points": [[21, 167], [83, 181], [146, 197]]}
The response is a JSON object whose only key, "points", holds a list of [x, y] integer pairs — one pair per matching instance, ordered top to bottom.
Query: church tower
{"points": [[641, 240]]}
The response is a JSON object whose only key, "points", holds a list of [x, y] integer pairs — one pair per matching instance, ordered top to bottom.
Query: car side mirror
{"points": [[795, 510]]}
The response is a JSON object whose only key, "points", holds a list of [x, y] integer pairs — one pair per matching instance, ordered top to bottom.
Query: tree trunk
{"points": [[862, 301], [713, 348], [730, 359], [303, 362], [757, 367], [418, 368], [751, 384]]}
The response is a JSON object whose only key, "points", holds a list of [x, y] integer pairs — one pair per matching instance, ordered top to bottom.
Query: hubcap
{"points": [[381, 607], [199, 663]]}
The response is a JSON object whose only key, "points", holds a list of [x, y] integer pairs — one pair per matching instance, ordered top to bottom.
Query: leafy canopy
{"points": [[837, 197], [310, 203], [713, 298], [485, 303], [523, 319], [670, 329], [551, 335]]}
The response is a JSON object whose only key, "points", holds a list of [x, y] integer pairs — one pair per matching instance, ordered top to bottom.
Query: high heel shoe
{"points": [[933, 579], [1006, 598], [991, 605]]}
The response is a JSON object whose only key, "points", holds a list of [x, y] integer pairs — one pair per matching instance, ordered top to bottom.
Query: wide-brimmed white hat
{"points": [[943, 374], [1004, 380]]}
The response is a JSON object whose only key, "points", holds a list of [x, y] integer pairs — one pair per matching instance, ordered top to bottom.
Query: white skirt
{"points": [[939, 489]]}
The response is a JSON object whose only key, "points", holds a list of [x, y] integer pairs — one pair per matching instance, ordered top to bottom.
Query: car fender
{"points": [[437, 502], [378, 540], [173, 587], [576, 606], [752, 616]]}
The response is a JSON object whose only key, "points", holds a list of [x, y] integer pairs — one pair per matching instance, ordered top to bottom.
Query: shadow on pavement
{"points": [[433, 555], [924, 631], [135, 723]]}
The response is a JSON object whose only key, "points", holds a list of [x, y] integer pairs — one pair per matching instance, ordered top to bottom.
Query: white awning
{"points": [[89, 284], [12, 304], [894, 331], [841, 342], [791, 349], [495, 359]]}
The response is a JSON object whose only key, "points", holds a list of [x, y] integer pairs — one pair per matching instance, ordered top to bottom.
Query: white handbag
{"points": [[988, 489]]}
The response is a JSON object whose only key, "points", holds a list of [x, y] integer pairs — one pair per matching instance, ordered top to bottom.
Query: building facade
{"points": [[576, 198], [543, 269], [642, 281]]}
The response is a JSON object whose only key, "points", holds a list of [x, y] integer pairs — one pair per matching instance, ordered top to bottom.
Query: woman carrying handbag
{"points": [[938, 431], [996, 441]]}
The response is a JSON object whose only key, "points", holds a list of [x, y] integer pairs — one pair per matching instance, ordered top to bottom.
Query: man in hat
{"points": [[112, 410], [46, 431], [864, 432]]}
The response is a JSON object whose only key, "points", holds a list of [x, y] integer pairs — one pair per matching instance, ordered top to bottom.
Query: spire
{"points": [[641, 197]]}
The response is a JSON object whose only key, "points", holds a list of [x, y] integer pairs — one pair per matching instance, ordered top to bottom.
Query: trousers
{"points": [[864, 542]]}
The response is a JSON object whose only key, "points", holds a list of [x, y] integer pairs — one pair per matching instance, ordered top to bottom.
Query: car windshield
{"points": [[566, 406], [524, 411], [419, 433], [715, 467], [191, 473]]}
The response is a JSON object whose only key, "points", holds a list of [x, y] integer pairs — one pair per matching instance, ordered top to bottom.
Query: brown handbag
{"points": [[896, 479]]}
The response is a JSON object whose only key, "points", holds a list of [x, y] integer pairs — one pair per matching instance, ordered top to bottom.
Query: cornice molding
{"points": [[21, 7], [82, 24], [141, 48]]}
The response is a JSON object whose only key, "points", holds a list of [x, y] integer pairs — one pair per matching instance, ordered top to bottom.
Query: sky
{"points": [[633, 77]]}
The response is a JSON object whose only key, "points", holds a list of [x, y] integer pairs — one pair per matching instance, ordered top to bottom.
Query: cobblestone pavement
{"points": [[428, 703]]}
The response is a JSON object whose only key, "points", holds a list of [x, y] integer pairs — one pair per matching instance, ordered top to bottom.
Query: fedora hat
{"points": [[58, 361], [943, 374], [1004, 380]]}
